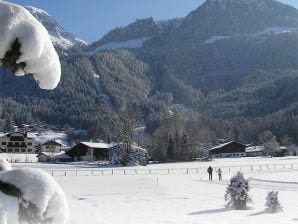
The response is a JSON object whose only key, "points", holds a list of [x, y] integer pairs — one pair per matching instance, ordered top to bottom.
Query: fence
{"points": [[171, 171]]}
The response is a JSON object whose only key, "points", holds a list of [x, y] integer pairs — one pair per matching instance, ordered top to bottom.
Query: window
{"points": [[16, 138], [3, 143], [29, 143], [9, 150], [17, 150], [23, 150], [29, 150]]}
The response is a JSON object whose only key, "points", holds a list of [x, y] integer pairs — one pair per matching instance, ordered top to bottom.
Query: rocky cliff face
{"points": [[62, 39]]}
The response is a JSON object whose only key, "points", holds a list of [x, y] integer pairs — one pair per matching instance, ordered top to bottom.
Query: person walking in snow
{"points": [[210, 170], [219, 174]]}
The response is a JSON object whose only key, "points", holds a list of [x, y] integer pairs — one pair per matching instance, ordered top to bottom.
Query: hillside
{"points": [[229, 68]]}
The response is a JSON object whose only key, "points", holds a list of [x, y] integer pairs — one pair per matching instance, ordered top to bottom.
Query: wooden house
{"points": [[51, 146], [227, 150], [89, 151]]}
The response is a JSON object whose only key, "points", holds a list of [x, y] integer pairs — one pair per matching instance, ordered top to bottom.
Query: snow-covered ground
{"points": [[177, 197]]}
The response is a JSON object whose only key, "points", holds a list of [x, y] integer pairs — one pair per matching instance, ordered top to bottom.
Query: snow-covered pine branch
{"points": [[26, 48], [31, 196]]}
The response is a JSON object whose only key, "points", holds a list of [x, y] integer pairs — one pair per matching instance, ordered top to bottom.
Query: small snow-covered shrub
{"points": [[133, 156], [237, 193], [272, 202]]}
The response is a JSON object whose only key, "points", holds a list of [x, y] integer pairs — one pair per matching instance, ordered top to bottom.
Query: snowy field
{"points": [[175, 197]]}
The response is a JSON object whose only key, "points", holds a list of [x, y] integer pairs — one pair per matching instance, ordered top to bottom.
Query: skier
{"points": [[210, 170], [219, 174]]}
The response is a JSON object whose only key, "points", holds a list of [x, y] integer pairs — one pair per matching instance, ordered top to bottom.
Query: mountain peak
{"points": [[258, 5], [37, 11], [222, 18], [60, 37]]}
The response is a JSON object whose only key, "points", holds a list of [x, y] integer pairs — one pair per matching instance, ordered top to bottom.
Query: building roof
{"points": [[53, 142], [100, 145], [220, 146], [254, 149]]}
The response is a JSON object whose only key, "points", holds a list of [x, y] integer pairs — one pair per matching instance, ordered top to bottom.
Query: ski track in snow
{"points": [[263, 183]]}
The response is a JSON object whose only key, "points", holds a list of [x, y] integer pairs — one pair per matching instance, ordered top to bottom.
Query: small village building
{"points": [[17, 142], [51, 146], [227, 150], [90, 151], [254, 151], [43, 157], [53, 157]]}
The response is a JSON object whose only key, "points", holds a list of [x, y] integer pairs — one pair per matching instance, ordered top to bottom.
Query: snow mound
{"points": [[37, 52], [4, 165], [35, 196]]}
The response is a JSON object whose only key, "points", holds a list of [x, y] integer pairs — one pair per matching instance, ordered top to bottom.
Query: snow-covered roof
{"points": [[52, 142], [100, 145], [133, 145], [221, 145], [254, 149], [63, 156]]}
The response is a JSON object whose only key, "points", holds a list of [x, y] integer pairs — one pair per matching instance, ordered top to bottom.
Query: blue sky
{"points": [[91, 19]]}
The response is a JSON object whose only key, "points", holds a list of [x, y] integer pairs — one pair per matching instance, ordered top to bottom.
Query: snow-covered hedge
{"points": [[25, 46], [135, 155], [237, 196], [272, 202]]}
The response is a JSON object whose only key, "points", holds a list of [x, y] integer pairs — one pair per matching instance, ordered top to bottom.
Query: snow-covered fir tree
{"points": [[133, 156], [237, 196], [272, 202]]}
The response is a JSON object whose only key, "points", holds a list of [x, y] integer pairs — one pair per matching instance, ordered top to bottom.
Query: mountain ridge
{"points": [[61, 38], [230, 79]]}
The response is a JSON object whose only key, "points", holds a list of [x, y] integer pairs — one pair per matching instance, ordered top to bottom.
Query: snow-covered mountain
{"points": [[221, 18], [135, 34], [61, 38], [228, 59]]}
